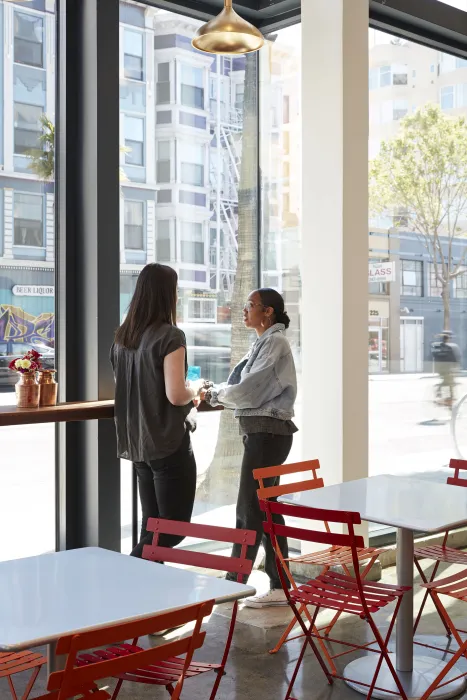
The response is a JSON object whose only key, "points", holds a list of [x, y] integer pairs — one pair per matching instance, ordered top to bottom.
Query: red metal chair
{"points": [[154, 552], [440, 553], [333, 556], [454, 587], [335, 591], [15, 662], [80, 675]]}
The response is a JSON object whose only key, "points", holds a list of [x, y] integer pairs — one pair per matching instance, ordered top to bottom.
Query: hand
{"points": [[197, 386]]}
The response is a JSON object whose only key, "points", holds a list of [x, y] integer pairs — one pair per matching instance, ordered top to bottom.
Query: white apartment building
{"points": [[181, 129]]}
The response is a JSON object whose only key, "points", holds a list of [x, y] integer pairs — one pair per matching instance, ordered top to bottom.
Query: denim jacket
{"points": [[264, 383]]}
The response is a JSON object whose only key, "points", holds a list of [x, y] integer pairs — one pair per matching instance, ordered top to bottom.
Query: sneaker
{"points": [[272, 598]]}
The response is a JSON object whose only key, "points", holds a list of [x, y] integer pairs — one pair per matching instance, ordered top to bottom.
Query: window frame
{"points": [[37, 16], [127, 30], [37, 131], [40, 196], [143, 225], [418, 270]]}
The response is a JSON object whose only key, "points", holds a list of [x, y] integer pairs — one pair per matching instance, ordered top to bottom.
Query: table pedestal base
{"points": [[425, 670]]}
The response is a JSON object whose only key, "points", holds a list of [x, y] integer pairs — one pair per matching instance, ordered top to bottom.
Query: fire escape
{"points": [[226, 144]]}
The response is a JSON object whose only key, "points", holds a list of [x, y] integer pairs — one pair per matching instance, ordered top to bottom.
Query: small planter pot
{"points": [[48, 387], [27, 390]]}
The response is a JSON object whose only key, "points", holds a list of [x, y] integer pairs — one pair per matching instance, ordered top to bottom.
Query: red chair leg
{"points": [[425, 597], [309, 639], [385, 645], [384, 654], [225, 656], [452, 662], [296, 670], [32, 680], [12, 688], [117, 689]]}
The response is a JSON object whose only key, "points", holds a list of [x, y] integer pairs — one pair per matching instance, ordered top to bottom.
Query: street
{"points": [[400, 443]]}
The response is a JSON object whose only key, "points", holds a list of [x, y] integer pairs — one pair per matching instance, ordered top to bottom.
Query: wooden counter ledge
{"points": [[62, 412]]}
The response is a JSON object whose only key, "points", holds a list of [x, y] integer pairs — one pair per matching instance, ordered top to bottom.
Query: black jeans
{"points": [[261, 450], [167, 490]]}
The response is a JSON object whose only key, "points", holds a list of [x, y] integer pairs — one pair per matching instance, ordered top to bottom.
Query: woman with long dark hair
{"points": [[262, 389], [153, 401]]}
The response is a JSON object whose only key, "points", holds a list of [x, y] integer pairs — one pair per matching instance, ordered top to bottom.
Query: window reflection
{"points": [[198, 204], [417, 251], [27, 262]]}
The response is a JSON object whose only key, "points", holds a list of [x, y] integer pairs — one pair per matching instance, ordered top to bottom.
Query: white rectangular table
{"points": [[409, 504], [51, 595]]}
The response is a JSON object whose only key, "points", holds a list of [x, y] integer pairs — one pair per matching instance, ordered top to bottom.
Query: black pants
{"points": [[261, 450], [167, 490]]}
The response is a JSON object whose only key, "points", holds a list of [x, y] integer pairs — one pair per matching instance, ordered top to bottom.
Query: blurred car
{"points": [[9, 350]]}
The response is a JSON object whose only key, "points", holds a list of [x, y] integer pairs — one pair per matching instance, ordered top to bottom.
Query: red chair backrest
{"points": [[311, 465], [458, 465], [266, 492], [332, 539], [235, 565], [80, 680]]}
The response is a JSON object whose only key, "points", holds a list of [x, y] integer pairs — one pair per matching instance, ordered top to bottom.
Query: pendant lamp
{"points": [[228, 33]]}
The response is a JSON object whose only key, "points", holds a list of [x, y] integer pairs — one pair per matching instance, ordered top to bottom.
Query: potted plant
{"points": [[27, 388]]}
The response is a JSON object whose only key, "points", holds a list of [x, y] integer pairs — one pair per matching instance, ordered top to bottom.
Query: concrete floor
{"points": [[251, 671]]}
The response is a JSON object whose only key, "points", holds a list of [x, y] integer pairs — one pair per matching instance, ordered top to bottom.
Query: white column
{"points": [[8, 128], [8, 223], [50, 227], [150, 231], [335, 236]]}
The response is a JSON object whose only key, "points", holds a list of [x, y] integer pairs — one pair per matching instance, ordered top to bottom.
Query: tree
{"points": [[43, 157], [421, 175], [222, 476]]}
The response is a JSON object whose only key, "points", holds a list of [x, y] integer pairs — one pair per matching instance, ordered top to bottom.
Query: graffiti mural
{"points": [[21, 327]]}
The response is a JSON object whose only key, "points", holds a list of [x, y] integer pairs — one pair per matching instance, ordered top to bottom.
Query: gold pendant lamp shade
{"points": [[228, 33]]}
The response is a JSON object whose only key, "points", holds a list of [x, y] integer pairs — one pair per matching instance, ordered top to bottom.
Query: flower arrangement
{"points": [[30, 362]]}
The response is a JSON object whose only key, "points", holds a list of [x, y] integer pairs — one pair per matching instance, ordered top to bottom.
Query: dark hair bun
{"points": [[271, 298], [283, 317]]}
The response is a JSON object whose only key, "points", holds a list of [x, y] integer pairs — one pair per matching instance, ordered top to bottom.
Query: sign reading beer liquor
{"points": [[382, 272], [33, 290]]}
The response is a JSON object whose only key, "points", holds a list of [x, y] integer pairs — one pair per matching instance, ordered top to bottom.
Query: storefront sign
{"points": [[381, 272], [33, 290], [378, 308]]}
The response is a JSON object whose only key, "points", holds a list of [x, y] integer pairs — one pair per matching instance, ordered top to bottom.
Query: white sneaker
{"points": [[270, 599]]}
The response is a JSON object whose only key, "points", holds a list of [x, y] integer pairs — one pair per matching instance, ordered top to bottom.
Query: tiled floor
{"points": [[252, 672]]}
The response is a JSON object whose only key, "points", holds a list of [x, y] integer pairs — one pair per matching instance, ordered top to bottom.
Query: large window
{"points": [[28, 39], [133, 55], [163, 83], [192, 86], [27, 127], [134, 140], [192, 159], [280, 163], [163, 165], [200, 215], [28, 220], [134, 225], [419, 230], [163, 241], [192, 243], [27, 266], [411, 278]]}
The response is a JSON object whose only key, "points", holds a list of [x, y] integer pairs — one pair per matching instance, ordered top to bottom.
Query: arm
{"points": [[174, 377], [257, 387]]}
